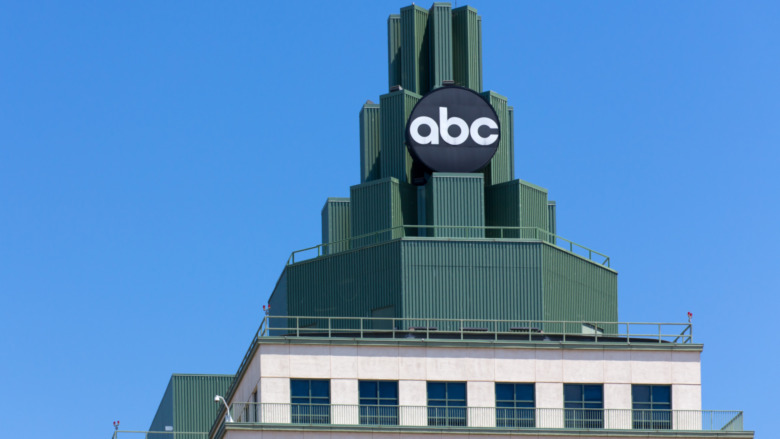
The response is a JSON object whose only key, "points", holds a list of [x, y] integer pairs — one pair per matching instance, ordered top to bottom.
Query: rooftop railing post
{"points": [[297, 326], [328, 326], [361, 327], [628, 332], [659, 333]]}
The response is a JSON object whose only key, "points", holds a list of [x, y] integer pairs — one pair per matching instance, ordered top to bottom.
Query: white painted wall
{"points": [[549, 368]]}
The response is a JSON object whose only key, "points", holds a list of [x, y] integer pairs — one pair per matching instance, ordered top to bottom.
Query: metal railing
{"points": [[489, 232], [476, 329], [378, 416], [129, 434]]}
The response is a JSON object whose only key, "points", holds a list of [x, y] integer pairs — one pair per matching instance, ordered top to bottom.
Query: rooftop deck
{"points": [[450, 233]]}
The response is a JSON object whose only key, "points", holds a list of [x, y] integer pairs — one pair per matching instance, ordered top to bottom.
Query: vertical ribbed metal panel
{"points": [[440, 31], [467, 48], [414, 49], [479, 49], [394, 50], [395, 109], [511, 112], [370, 142], [499, 170], [455, 199], [516, 203], [379, 205], [533, 206], [502, 209], [336, 219], [552, 222], [472, 279], [350, 283], [576, 289], [193, 401], [164, 415]]}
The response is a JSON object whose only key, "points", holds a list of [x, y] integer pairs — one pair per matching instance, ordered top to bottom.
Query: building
{"points": [[442, 302]]}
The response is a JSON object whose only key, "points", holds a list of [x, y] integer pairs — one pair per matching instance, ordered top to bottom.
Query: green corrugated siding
{"points": [[440, 29], [467, 48], [414, 49], [394, 50], [395, 109], [511, 131], [370, 142], [500, 168], [455, 200], [516, 204], [379, 205], [533, 206], [336, 219], [552, 222], [472, 279], [350, 283], [576, 289], [193, 400], [188, 403], [164, 415]]}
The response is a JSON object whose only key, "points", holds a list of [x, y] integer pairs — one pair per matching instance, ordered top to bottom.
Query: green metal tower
{"points": [[476, 245]]}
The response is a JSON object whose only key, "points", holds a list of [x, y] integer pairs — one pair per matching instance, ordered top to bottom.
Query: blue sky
{"points": [[159, 161]]}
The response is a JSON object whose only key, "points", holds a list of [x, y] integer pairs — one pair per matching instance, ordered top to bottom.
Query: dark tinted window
{"points": [[310, 401], [378, 402], [447, 404], [515, 405], [584, 405], [652, 407]]}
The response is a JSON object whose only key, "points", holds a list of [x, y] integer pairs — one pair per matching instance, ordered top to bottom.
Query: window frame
{"points": [[315, 409], [384, 410], [451, 413], [516, 413], [589, 413], [659, 414]]}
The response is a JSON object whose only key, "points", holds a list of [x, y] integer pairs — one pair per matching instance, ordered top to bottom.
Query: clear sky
{"points": [[159, 161]]}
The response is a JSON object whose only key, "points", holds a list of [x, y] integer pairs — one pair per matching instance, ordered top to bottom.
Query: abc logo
{"points": [[453, 129]]}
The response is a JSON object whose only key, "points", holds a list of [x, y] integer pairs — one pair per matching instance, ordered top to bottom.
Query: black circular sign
{"points": [[452, 129]]}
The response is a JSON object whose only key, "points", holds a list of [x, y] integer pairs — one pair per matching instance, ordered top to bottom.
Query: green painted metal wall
{"points": [[440, 31], [467, 48], [414, 49], [394, 50], [395, 109], [370, 142], [501, 166], [455, 199], [516, 203], [379, 205], [533, 205], [336, 219], [552, 221], [453, 279], [472, 279], [350, 284], [576, 289], [188, 403], [164, 415]]}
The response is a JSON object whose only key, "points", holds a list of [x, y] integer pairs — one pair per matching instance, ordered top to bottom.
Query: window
{"points": [[310, 401], [378, 402], [447, 404], [515, 405], [584, 405], [652, 407], [255, 408]]}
